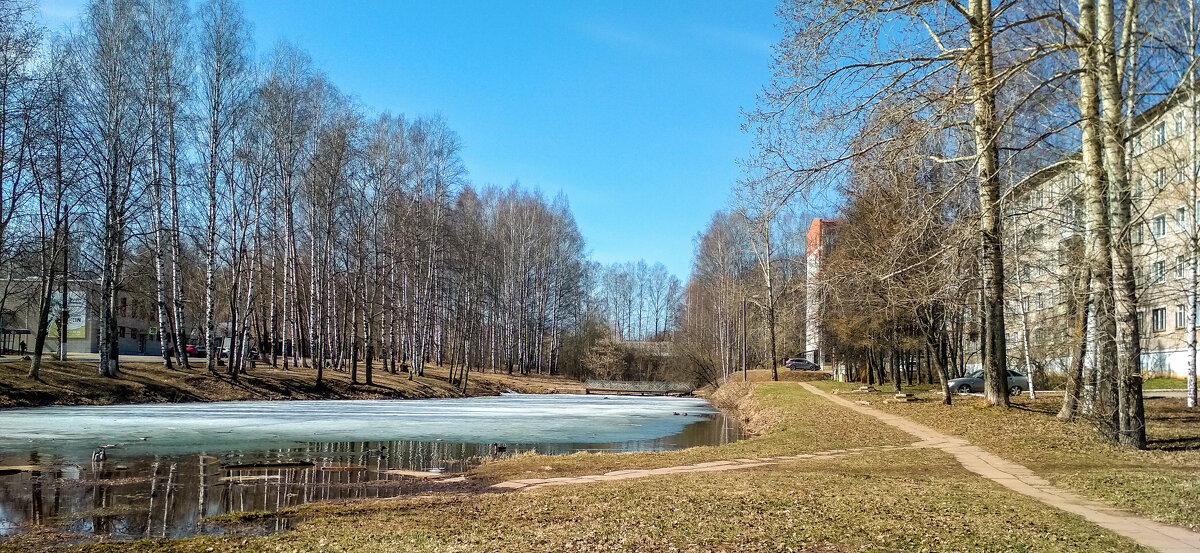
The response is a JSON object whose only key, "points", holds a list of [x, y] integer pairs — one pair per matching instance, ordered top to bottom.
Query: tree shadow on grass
{"points": [[1187, 443]]}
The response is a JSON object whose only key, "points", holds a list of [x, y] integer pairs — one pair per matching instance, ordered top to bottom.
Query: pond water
{"points": [[168, 466]]}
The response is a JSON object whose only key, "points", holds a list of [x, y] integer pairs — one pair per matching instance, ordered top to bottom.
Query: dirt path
{"points": [[711, 466], [1155, 535]]}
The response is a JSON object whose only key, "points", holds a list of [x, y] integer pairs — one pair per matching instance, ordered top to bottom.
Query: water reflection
{"points": [[169, 496]]}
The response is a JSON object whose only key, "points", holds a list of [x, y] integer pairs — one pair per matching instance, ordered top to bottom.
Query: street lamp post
{"points": [[745, 361], [745, 376]]}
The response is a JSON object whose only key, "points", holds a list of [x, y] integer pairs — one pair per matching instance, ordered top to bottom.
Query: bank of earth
{"points": [[78, 383], [867, 489]]}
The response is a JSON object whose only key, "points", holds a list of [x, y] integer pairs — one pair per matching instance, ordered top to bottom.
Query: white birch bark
{"points": [[1125, 383]]}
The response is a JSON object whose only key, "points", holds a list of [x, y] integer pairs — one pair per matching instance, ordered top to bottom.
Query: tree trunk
{"points": [[980, 67], [1194, 232], [1079, 325], [1128, 407]]}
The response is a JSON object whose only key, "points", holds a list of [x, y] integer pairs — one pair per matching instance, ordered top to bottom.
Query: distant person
{"points": [[23, 347]]}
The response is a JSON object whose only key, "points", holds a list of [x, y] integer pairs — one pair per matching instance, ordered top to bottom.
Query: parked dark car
{"points": [[251, 354], [801, 364], [973, 382]]}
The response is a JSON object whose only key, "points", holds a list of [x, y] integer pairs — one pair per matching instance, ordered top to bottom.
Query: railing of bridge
{"points": [[640, 386]]}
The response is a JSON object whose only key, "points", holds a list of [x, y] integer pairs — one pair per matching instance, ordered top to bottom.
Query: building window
{"points": [[1179, 123], [1160, 134], [1160, 179], [1068, 211], [1180, 219], [1158, 226], [1135, 235], [1180, 266], [1158, 272], [1041, 300], [1025, 305], [123, 310], [1180, 316], [1159, 319], [120, 331]]}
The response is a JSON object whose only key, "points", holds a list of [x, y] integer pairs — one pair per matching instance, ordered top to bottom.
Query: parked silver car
{"points": [[801, 364], [973, 382]]}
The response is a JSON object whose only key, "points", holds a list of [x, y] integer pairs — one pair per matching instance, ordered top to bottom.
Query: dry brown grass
{"points": [[77, 383], [779, 419], [1162, 483]]}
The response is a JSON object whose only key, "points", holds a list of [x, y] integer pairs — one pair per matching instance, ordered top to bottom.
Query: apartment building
{"points": [[819, 239], [1045, 245]]}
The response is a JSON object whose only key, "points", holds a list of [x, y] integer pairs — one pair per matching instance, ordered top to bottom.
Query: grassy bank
{"points": [[77, 383], [1162, 483], [877, 500]]}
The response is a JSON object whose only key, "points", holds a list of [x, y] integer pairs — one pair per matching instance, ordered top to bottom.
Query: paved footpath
{"points": [[1155, 535]]}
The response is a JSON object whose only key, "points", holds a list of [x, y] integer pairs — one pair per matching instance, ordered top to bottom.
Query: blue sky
{"points": [[632, 109]]}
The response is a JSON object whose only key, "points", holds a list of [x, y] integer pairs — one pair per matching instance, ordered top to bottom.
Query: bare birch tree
{"points": [[110, 87], [223, 93]]}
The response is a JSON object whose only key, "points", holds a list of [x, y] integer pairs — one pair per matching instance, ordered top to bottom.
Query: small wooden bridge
{"points": [[638, 388]]}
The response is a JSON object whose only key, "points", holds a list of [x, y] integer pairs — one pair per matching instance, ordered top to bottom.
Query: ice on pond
{"points": [[73, 432], [224, 457]]}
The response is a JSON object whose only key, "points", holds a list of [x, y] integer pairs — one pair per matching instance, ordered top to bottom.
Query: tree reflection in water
{"points": [[170, 496]]}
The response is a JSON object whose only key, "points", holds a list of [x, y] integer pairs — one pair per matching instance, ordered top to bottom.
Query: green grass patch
{"points": [[1164, 384]]}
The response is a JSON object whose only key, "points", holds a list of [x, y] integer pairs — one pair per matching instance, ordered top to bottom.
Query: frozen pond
{"points": [[168, 466]]}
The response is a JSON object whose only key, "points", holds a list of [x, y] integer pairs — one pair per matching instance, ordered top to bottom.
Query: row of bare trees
{"points": [[927, 121], [259, 209], [897, 281], [639, 301], [745, 302]]}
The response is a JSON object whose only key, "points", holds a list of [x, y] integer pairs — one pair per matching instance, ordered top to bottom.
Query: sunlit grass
{"points": [[1164, 384], [897, 500]]}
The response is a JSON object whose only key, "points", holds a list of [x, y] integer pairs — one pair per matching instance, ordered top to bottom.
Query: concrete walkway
{"points": [[1155, 535]]}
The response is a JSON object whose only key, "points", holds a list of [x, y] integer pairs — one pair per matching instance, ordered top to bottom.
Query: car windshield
{"points": [[975, 374]]}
